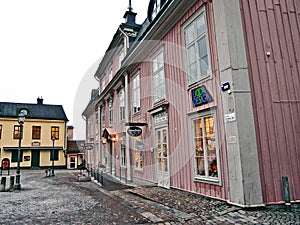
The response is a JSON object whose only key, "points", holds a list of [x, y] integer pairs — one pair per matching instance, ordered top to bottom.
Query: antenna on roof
{"points": [[129, 7]]}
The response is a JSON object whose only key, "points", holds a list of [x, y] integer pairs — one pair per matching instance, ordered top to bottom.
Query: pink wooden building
{"points": [[203, 97]]}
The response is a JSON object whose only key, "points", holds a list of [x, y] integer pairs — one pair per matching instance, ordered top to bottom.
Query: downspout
{"points": [[127, 140]]}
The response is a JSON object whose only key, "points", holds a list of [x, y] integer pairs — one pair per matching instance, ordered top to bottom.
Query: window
{"points": [[156, 8], [196, 45], [121, 57], [110, 73], [158, 77], [102, 83], [136, 94], [122, 104], [111, 113], [103, 117], [97, 122], [0, 131], [16, 132], [36, 132], [55, 132], [205, 147], [55, 153], [138, 154], [123, 155], [14, 156]]}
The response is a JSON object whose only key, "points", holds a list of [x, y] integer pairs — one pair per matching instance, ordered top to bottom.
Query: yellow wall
{"points": [[7, 140]]}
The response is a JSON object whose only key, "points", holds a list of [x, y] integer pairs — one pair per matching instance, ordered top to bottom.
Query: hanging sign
{"points": [[201, 96], [134, 131]]}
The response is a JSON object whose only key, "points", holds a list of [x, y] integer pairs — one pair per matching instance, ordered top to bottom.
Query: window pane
{"points": [[201, 26], [189, 34], [203, 56]]}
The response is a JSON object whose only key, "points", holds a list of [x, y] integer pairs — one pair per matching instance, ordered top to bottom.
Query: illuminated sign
{"points": [[201, 96]]}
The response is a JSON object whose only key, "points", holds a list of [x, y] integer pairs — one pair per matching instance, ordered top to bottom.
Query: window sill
{"points": [[208, 180]]}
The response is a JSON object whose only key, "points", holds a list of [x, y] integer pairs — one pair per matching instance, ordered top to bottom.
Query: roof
{"points": [[35, 111]]}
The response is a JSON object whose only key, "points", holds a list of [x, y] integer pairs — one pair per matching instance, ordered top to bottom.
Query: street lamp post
{"points": [[21, 120], [53, 139]]}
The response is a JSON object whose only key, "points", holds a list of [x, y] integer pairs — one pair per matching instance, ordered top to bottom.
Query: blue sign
{"points": [[201, 96]]}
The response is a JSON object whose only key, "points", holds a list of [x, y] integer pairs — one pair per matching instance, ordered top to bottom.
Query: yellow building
{"points": [[44, 135]]}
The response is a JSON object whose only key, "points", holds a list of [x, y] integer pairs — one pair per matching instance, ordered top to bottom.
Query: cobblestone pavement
{"points": [[64, 200]]}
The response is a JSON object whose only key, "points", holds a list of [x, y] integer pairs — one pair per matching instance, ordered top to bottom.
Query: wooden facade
{"points": [[249, 47]]}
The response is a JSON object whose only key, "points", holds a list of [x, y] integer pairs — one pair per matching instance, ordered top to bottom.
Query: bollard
{"points": [[11, 182], [3, 184], [286, 191]]}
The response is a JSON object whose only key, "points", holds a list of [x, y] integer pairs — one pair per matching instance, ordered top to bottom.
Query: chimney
{"points": [[40, 100], [70, 132]]}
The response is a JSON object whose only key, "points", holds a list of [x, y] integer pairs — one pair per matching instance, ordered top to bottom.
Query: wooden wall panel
{"points": [[273, 27]]}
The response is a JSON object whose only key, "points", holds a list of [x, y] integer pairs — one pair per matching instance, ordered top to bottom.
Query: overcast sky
{"points": [[51, 48]]}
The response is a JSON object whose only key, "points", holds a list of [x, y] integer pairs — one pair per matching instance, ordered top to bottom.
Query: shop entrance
{"points": [[163, 174]]}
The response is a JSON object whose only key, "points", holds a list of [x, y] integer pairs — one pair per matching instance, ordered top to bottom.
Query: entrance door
{"points": [[35, 158], [163, 175]]}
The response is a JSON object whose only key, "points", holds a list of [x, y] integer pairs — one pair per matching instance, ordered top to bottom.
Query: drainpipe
{"points": [[126, 41], [128, 158]]}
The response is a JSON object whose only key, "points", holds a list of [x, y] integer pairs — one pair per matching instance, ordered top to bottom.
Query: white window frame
{"points": [[191, 23], [121, 56], [110, 73], [158, 76], [136, 94], [122, 104], [111, 112], [123, 155], [206, 178]]}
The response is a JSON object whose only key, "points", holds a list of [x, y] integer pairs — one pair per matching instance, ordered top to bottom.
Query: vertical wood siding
{"points": [[274, 26]]}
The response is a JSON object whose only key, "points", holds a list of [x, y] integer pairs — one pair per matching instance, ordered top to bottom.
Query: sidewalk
{"points": [[218, 212]]}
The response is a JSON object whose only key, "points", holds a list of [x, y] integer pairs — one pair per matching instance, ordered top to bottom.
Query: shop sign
{"points": [[201, 96], [161, 117], [134, 131], [88, 147]]}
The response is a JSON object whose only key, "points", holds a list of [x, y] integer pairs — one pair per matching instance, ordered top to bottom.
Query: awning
{"points": [[109, 133], [32, 148]]}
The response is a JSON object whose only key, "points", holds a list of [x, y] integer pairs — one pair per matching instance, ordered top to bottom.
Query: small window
{"points": [[196, 45], [121, 57], [110, 73], [158, 77], [136, 98], [122, 104], [111, 112], [102, 117], [0, 131], [16, 132], [36, 132], [55, 132]]}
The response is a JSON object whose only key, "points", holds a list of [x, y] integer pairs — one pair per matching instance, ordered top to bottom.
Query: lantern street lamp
{"points": [[21, 120], [53, 139]]}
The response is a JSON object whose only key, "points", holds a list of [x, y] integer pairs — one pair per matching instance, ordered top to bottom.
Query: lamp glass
{"points": [[21, 118]]}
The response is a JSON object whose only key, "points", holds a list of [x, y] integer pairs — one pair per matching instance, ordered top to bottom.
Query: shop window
{"points": [[196, 44], [158, 77], [36, 132], [205, 148], [138, 154], [55, 155], [14, 156]]}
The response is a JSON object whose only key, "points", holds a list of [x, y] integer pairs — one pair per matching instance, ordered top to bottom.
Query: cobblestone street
{"points": [[64, 200]]}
